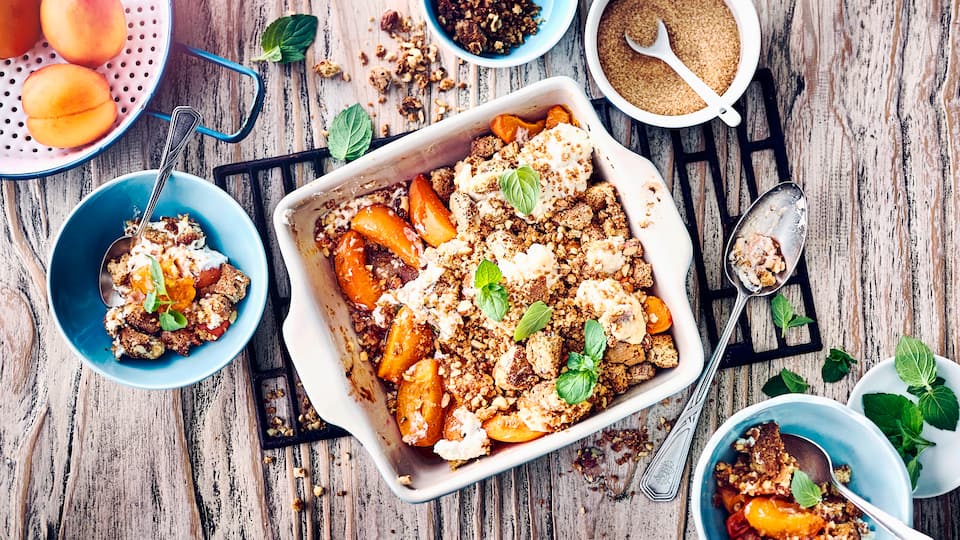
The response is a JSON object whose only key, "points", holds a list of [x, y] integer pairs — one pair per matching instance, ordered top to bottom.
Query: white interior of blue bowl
{"points": [[878, 473]]}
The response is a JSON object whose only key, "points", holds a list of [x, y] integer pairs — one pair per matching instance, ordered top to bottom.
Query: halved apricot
{"points": [[557, 115], [506, 126], [430, 218], [381, 225], [356, 281], [659, 319], [407, 344], [419, 409], [452, 426], [509, 428], [776, 518]]}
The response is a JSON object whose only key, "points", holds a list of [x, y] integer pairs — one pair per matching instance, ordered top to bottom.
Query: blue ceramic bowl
{"points": [[556, 14], [74, 267], [878, 473]]}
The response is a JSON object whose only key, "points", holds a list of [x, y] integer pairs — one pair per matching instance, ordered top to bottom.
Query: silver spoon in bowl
{"points": [[661, 49], [183, 122], [781, 214], [814, 460]]}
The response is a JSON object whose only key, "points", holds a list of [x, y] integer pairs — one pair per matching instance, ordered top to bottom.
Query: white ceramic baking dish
{"points": [[323, 346]]}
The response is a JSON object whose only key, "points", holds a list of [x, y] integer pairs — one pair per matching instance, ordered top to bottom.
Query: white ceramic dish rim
{"points": [[748, 24], [508, 61], [308, 333], [228, 356], [859, 390], [705, 456]]}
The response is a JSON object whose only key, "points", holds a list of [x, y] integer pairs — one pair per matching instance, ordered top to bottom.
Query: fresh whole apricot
{"points": [[19, 26], [84, 32], [67, 105], [430, 218], [381, 225], [356, 281], [407, 344], [419, 409], [775, 518]]}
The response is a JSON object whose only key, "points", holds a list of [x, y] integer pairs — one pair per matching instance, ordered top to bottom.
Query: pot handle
{"points": [[252, 115]]}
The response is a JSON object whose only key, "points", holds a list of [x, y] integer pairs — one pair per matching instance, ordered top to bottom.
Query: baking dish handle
{"points": [[258, 93]]}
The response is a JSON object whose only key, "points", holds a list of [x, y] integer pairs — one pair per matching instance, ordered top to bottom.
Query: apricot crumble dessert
{"points": [[758, 260], [178, 293], [526, 310], [759, 491]]}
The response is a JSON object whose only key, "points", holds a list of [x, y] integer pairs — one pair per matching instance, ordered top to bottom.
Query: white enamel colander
{"points": [[134, 76]]}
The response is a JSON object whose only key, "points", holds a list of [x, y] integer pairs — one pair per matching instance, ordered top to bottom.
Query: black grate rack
{"points": [[740, 352]]}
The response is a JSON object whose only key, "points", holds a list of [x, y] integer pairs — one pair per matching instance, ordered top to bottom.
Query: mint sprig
{"points": [[287, 39], [521, 188], [492, 298], [784, 315], [170, 319], [837, 365], [916, 366], [583, 369], [901, 421], [805, 491]]}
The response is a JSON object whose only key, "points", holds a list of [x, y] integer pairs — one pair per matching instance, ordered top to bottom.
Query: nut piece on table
{"points": [[326, 68], [380, 79]]}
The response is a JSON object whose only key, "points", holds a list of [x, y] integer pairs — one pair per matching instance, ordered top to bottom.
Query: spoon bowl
{"points": [[183, 122], [781, 214], [815, 461]]}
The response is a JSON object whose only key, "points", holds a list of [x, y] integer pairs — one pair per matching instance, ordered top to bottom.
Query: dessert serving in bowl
{"points": [[560, 247]]}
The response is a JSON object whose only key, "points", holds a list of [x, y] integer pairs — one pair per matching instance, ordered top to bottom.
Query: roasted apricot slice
{"points": [[557, 115], [506, 126], [429, 216], [381, 225], [208, 277], [356, 281], [659, 319], [407, 343], [419, 409], [452, 426], [509, 428], [731, 499], [780, 519]]}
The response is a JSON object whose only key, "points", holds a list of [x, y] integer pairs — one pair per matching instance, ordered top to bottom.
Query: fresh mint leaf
{"points": [[287, 39], [350, 133], [521, 188], [486, 273], [156, 276], [492, 301], [151, 303], [784, 315], [534, 319], [172, 320], [594, 340], [580, 362], [914, 362], [837, 365], [795, 383], [576, 386], [775, 386], [921, 390], [940, 408], [886, 411], [910, 440], [913, 468], [805, 491]]}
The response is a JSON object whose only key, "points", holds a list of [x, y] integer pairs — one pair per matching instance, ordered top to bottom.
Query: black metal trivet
{"points": [[740, 352]]}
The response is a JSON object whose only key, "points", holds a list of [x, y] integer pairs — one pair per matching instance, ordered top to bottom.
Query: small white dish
{"points": [[748, 25], [940, 473]]}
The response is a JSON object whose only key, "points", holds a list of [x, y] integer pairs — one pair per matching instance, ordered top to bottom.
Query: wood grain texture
{"points": [[868, 93]]}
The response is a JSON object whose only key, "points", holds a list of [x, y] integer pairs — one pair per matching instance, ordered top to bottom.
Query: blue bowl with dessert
{"points": [[496, 34], [194, 286], [744, 484]]}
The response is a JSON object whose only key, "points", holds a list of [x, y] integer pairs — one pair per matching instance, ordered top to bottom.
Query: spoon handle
{"points": [[725, 112], [183, 122], [661, 480], [893, 525]]}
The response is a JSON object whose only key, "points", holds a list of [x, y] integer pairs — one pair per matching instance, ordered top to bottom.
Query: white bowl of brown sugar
{"points": [[719, 40]]}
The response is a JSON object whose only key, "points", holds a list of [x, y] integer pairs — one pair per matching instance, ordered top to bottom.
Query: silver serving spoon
{"points": [[661, 49], [183, 122], [781, 214], [814, 460]]}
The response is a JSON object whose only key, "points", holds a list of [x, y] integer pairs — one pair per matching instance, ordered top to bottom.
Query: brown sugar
{"points": [[703, 34]]}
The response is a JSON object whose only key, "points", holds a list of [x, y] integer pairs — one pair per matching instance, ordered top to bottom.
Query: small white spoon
{"points": [[661, 49]]}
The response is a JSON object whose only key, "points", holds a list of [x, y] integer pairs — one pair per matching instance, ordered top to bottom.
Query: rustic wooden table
{"points": [[869, 97]]}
